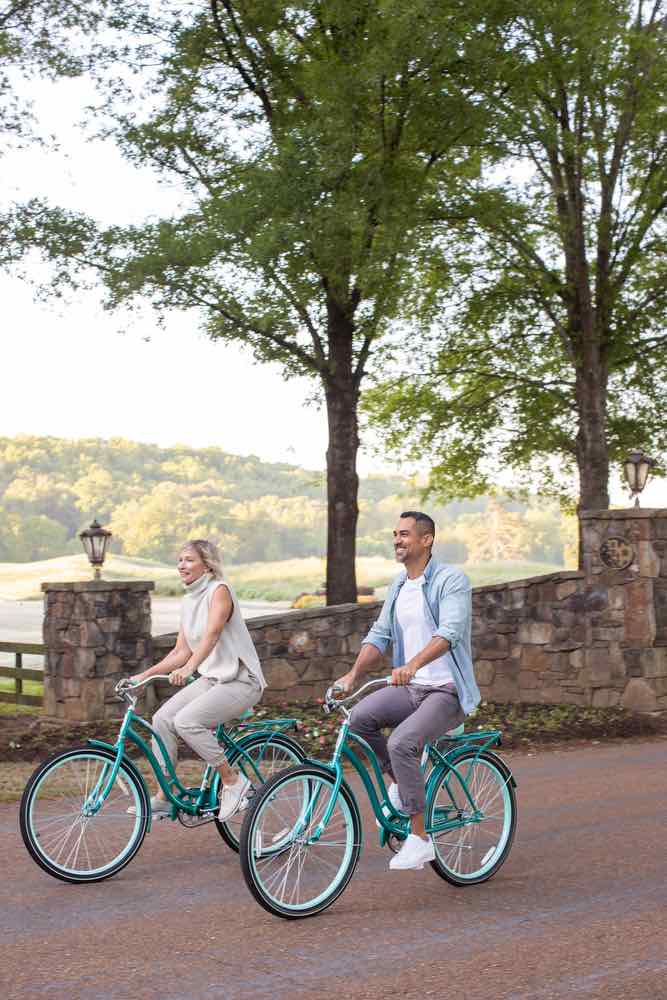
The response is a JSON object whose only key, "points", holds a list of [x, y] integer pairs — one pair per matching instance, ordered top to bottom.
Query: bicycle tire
{"points": [[275, 819], [55, 830], [230, 830], [474, 851]]}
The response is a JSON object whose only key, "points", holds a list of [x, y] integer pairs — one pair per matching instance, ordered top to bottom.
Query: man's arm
{"points": [[454, 609], [372, 649], [431, 651], [369, 657]]}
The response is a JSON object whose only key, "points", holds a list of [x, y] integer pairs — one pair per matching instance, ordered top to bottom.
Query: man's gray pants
{"points": [[418, 715]]}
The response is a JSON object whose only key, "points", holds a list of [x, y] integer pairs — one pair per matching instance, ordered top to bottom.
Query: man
{"points": [[427, 618]]}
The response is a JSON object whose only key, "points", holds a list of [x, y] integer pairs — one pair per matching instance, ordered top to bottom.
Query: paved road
{"points": [[578, 910]]}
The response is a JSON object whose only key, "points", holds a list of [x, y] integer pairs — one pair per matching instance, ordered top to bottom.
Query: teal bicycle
{"points": [[85, 811], [302, 835]]}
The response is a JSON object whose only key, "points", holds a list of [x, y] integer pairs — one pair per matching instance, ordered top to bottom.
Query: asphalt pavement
{"points": [[578, 910]]}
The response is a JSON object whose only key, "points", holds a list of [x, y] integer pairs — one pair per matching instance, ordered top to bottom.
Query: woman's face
{"points": [[191, 565]]}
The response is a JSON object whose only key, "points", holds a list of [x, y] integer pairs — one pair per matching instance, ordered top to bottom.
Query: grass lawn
{"points": [[21, 581], [269, 581], [29, 687]]}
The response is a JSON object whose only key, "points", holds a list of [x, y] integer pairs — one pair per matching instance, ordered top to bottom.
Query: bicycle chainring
{"points": [[193, 821], [394, 843]]}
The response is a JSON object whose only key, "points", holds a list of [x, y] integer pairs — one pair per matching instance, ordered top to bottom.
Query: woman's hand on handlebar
{"points": [[180, 676]]}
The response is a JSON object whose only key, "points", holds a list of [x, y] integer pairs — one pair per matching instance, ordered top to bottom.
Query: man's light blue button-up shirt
{"points": [[448, 609]]}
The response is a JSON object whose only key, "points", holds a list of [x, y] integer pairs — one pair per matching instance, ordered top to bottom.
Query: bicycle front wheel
{"points": [[270, 757], [57, 828], [476, 846], [289, 871]]}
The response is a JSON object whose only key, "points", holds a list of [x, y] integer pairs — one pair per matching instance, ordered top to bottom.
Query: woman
{"points": [[214, 640]]}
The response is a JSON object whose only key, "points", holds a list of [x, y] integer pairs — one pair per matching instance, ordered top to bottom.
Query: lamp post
{"points": [[636, 468], [95, 540]]}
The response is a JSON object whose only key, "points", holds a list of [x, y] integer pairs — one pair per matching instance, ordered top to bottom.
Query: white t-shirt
{"points": [[417, 633]]}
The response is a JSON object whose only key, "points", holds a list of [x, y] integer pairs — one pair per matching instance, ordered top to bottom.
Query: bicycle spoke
{"points": [[65, 837], [470, 850], [300, 871]]}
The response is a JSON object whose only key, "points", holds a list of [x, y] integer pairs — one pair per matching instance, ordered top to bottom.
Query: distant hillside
{"points": [[153, 498], [271, 581]]}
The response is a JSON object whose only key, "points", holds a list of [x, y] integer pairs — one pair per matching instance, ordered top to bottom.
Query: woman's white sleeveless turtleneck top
{"points": [[235, 645]]}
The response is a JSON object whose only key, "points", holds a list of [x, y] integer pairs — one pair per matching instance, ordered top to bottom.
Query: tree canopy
{"points": [[307, 138], [550, 356]]}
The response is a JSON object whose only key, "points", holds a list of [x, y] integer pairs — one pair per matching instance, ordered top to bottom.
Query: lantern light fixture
{"points": [[636, 468], [95, 540]]}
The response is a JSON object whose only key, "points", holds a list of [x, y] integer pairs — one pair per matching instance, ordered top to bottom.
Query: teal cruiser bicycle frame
{"points": [[85, 811], [302, 836]]}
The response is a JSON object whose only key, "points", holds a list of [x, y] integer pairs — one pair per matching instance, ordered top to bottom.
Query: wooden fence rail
{"points": [[19, 673]]}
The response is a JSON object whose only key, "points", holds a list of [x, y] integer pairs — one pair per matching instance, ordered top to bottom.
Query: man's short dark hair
{"points": [[425, 524]]}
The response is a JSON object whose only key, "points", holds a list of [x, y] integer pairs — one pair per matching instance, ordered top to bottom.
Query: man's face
{"points": [[409, 544]]}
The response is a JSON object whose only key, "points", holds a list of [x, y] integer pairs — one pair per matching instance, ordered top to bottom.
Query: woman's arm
{"points": [[219, 614], [179, 655]]}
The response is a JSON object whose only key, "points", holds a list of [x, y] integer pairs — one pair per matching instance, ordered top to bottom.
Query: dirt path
{"points": [[578, 910]]}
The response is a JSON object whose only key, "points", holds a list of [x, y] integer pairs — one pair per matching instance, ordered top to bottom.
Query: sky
{"points": [[73, 370], [76, 374]]}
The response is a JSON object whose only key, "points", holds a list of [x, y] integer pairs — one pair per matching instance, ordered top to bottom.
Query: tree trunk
{"points": [[342, 398], [591, 441]]}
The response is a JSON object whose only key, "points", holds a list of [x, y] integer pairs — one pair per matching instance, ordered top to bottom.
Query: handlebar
{"points": [[126, 686], [330, 702]]}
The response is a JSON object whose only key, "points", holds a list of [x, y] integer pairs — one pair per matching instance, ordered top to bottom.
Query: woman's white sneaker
{"points": [[230, 797], [159, 807], [414, 853]]}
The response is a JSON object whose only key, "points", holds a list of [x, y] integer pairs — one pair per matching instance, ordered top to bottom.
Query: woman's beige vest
{"points": [[234, 648]]}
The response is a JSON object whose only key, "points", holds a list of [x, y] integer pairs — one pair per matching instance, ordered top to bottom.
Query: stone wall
{"points": [[95, 632], [596, 637]]}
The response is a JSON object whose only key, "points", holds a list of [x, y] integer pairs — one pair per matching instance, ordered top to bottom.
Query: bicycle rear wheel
{"points": [[270, 758], [61, 837], [474, 850], [290, 874]]}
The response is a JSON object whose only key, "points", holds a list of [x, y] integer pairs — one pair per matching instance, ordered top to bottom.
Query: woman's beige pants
{"points": [[195, 711]]}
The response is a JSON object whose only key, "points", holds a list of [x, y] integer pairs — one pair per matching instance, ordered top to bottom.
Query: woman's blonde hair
{"points": [[208, 552]]}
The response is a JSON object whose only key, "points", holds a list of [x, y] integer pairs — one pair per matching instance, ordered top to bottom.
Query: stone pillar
{"points": [[625, 565], [95, 632]]}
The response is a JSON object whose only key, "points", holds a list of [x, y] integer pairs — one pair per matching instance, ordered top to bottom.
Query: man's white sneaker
{"points": [[231, 796], [394, 797], [414, 853]]}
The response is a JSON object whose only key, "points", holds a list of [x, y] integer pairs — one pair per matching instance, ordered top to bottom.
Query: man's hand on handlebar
{"points": [[402, 675], [345, 684]]}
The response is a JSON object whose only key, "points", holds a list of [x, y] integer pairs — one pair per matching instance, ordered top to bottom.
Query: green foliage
{"points": [[38, 38], [309, 141], [547, 293], [50, 488], [154, 498]]}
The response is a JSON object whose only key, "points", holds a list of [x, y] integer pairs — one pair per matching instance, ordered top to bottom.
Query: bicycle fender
{"points": [[102, 745], [330, 770], [436, 774]]}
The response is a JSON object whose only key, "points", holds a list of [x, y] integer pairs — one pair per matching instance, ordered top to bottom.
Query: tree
{"points": [[39, 38], [307, 137], [551, 357], [496, 535]]}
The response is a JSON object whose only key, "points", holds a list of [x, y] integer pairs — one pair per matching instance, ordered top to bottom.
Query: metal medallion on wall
{"points": [[616, 552]]}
